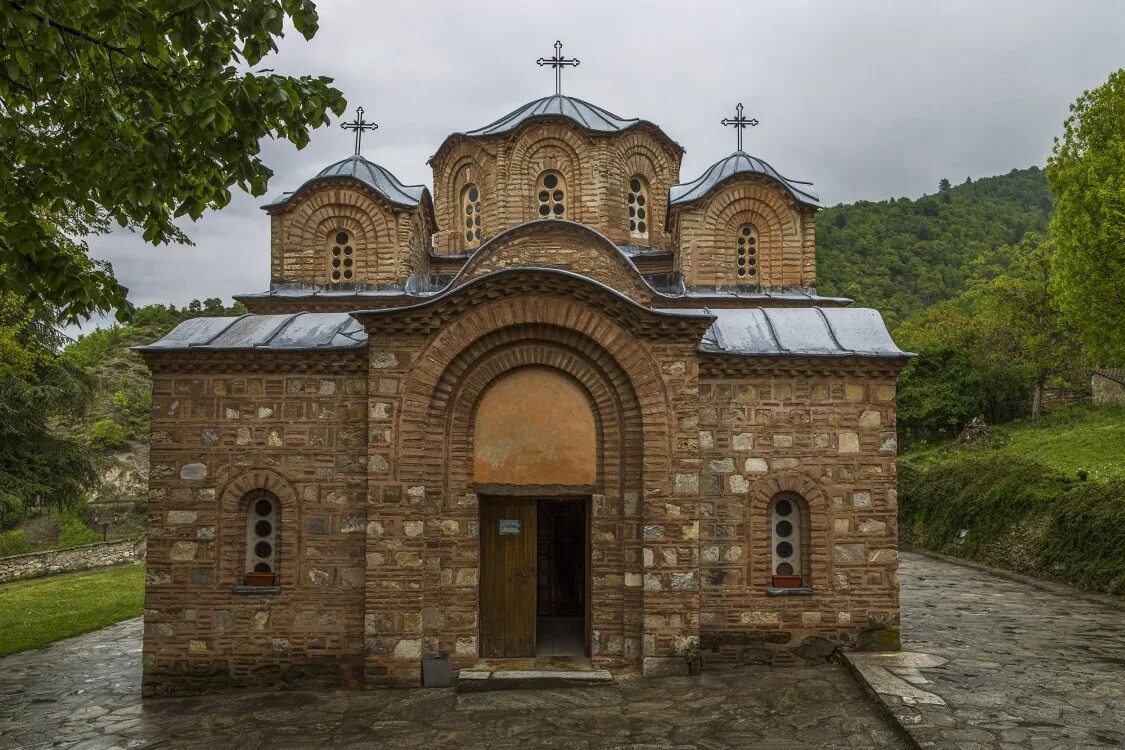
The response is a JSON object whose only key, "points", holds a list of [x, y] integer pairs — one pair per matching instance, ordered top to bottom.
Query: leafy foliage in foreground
{"points": [[134, 112], [1087, 173], [900, 255], [1021, 515], [43, 610]]}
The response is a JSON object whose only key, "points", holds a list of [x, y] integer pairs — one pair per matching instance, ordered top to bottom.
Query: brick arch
{"points": [[636, 154], [526, 162], [447, 187], [371, 223], [779, 227], [538, 243], [527, 319], [622, 446], [231, 531], [816, 553]]}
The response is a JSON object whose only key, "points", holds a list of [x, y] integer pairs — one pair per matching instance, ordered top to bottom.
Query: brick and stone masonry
{"points": [[372, 442]]}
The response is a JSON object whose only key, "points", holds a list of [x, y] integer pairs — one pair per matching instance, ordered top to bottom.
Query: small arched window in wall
{"points": [[552, 196], [637, 203], [470, 207], [747, 254], [341, 256], [262, 514], [787, 532]]}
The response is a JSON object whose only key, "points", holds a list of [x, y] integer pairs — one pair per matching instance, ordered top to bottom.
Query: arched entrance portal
{"points": [[535, 463]]}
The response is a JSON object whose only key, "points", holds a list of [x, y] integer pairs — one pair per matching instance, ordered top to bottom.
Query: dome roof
{"points": [[583, 113], [739, 163], [369, 173]]}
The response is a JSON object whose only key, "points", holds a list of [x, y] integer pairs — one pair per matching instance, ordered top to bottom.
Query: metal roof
{"points": [[739, 163], [369, 173], [800, 331], [270, 332]]}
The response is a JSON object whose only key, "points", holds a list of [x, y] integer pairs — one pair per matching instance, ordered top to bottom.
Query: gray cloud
{"points": [[868, 100]]}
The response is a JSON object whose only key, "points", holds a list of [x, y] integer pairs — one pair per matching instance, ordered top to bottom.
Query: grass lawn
{"points": [[1089, 438], [42, 610]]}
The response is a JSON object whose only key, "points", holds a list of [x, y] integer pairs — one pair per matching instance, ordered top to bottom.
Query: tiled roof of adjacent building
{"points": [[739, 163], [369, 173], [1116, 374]]}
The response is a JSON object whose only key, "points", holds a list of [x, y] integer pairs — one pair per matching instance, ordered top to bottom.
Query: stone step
{"points": [[479, 680]]}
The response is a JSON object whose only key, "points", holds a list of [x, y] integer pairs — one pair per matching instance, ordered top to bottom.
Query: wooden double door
{"points": [[520, 566]]}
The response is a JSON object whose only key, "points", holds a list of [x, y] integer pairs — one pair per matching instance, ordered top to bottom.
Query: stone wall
{"points": [[1109, 387], [223, 425], [829, 437], [86, 557]]}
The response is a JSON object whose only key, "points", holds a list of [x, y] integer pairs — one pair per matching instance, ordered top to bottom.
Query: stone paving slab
{"points": [[992, 662], [84, 693]]}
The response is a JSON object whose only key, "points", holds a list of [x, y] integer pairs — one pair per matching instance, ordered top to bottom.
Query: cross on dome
{"points": [[558, 62], [739, 122], [358, 125]]}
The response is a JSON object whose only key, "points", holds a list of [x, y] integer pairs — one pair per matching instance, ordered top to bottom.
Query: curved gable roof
{"points": [[738, 163], [369, 173], [477, 265]]}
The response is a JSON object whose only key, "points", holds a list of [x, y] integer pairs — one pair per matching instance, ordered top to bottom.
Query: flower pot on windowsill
{"points": [[259, 579], [787, 582]]}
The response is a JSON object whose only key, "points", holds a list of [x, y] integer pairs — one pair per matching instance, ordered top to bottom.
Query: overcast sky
{"points": [[868, 100]]}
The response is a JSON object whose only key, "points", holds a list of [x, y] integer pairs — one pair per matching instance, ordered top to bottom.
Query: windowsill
{"points": [[256, 590], [802, 591]]}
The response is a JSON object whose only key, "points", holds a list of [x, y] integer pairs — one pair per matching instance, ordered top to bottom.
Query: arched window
{"points": [[552, 196], [637, 203], [470, 207], [747, 254], [341, 255], [262, 514], [788, 528]]}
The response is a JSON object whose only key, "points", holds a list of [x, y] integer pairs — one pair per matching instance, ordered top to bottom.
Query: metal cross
{"points": [[558, 62], [739, 122], [358, 125]]}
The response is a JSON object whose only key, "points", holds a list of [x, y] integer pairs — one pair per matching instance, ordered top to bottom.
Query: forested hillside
{"points": [[901, 255]]}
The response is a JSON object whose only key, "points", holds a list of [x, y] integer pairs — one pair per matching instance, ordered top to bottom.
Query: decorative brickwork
{"points": [[377, 466]]}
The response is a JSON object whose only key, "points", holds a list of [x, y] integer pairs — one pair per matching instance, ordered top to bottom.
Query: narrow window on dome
{"points": [[552, 196], [637, 204], [470, 212], [341, 256], [747, 257], [788, 530], [261, 538]]}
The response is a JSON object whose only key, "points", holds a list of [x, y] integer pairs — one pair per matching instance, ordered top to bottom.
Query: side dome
{"points": [[739, 163], [369, 173]]}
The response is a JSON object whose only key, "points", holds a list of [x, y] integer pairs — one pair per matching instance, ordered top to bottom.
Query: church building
{"points": [[562, 405]]}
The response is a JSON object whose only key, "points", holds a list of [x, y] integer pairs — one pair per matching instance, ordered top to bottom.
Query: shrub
{"points": [[106, 434], [1018, 514], [73, 532], [14, 543]]}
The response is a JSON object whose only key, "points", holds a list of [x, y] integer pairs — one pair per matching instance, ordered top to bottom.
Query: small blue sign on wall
{"points": [[510, 526]]}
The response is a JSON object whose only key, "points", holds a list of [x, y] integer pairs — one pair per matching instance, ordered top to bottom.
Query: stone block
{"points": [[742, 441], [848, 442], [755, 466], [193, 472], [687, 484], [849, 553]]}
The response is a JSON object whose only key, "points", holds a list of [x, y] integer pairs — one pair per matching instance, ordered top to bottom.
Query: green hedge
{"points": [[1018, 514]]}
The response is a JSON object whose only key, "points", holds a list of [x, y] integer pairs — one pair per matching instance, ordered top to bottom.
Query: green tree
{"points": [[134, 112], [1086, 172], [1021, 320], [38, 389]]}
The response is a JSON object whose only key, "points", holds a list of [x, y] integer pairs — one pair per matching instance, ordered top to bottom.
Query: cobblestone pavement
{"points": [[994, 663], [84, 693]]}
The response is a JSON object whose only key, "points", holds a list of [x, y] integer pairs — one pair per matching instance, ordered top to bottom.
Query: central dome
{"points": [[589, 116]]}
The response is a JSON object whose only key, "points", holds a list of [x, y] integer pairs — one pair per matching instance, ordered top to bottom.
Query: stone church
{"points": [[565, 407]]}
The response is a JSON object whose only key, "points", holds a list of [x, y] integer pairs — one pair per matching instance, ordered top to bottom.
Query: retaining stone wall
{"points": [[86, 557]]}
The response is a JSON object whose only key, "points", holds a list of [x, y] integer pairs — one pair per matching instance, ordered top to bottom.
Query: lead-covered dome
{"points": [[739, 162], [369, 173]]}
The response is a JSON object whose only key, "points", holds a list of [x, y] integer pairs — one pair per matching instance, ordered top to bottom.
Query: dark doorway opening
{"points": [[561, 586]]}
